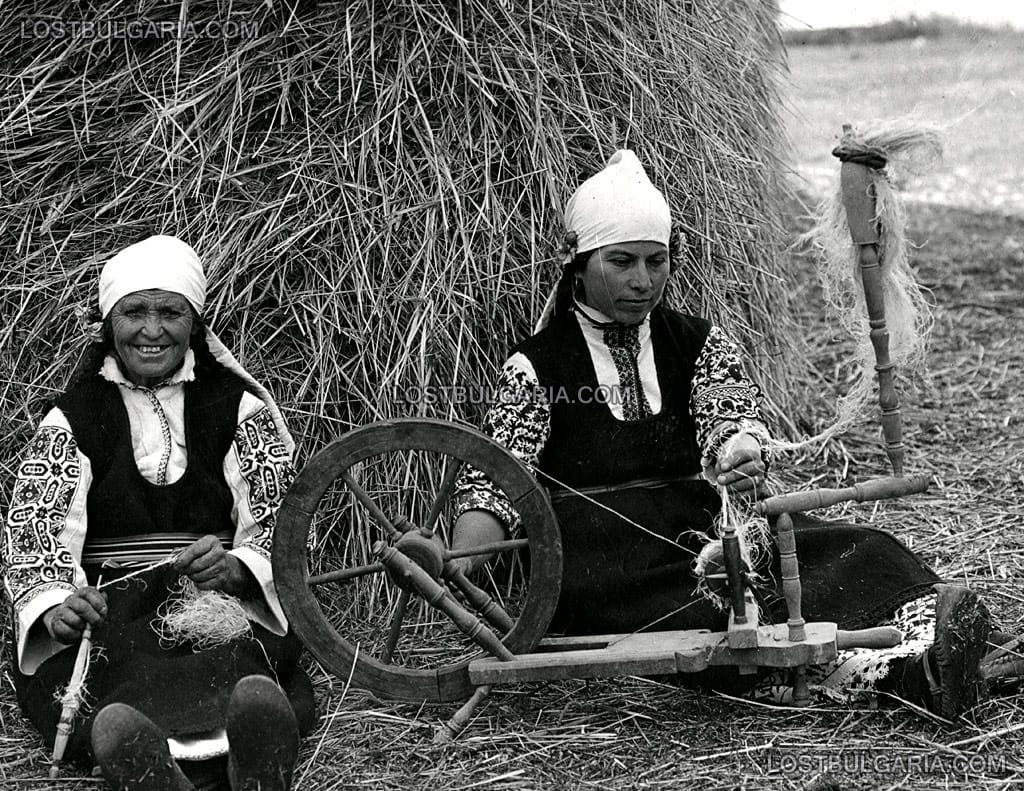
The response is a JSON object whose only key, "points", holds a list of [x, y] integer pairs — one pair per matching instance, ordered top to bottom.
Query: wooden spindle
{"points": [[733, 561]]}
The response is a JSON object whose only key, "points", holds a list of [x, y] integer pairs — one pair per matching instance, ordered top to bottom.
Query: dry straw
{"points": [[376, 188]]}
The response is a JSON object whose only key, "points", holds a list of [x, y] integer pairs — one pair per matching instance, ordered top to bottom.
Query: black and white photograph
{"points": [[511, 395]]}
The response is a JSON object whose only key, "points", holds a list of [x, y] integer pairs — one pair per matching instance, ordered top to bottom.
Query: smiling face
{"points": [[625, 281], [151, 331]]}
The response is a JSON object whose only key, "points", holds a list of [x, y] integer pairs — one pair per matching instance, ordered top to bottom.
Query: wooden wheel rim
{"points": [[295, 518]]}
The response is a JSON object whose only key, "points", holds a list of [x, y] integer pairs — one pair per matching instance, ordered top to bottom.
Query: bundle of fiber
{"points": [[898, 149]]}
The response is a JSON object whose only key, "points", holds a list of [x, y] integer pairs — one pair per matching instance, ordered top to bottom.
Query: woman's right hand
{"points": [[67, 621]]}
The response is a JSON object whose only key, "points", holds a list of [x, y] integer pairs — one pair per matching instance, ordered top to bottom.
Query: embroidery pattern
{"points": [[623, 343], [721, 393], [520, 419], [165, 434], [266, 466], [33, 558], [857, 671]]}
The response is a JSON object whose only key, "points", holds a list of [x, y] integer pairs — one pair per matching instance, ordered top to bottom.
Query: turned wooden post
{"points": [[859, 201], [867, 491], [786, 542], [733, 562], [408, 574], [479, 600]]}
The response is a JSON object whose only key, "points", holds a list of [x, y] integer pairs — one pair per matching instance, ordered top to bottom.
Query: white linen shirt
{"points": [[32, 577]]}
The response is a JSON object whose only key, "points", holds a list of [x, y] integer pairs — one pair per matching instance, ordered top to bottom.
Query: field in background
{"points": [[969, 83]]}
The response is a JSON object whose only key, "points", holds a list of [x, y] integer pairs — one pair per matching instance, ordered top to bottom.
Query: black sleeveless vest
{"points": [[588, 446], [121, 502]]}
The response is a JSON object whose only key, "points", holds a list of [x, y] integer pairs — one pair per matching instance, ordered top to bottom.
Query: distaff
{"points": [[861, 216]]}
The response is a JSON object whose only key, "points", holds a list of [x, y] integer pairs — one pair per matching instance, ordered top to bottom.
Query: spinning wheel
{"points": [[359, 560], [363, 567]]}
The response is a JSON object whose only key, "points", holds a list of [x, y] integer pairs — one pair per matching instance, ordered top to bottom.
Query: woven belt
{"points": [[127, 551]]}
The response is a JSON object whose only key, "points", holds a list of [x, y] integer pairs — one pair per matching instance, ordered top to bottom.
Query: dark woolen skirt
{"points": [[617, 578], [182, 689]]}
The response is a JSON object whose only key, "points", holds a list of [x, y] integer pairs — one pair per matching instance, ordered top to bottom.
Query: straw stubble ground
{"points": [[963, 424]]}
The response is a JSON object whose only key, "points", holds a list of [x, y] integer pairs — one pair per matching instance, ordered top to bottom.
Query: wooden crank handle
{"points": [[868, 491], [878, 637]]}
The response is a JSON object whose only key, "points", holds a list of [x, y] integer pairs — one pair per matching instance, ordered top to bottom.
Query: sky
{"points": [[832, 13]]}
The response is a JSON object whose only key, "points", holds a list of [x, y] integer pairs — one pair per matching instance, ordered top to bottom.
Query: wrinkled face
{"points": [[625, 281], [151, 332]]}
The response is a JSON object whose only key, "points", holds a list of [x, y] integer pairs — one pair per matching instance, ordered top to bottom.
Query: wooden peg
{"points": [[786, 541], [801, 692], [460, 719]]}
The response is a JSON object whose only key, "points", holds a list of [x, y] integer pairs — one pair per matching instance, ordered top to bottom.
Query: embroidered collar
{"points": [[186, 372]]}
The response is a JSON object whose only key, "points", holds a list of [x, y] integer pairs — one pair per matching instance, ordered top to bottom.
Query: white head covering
{"points": [[618, 204], [163, 262], [169, 264]]}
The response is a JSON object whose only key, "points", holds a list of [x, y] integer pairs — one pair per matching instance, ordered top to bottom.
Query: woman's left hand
{"points": [[740, 469], [210, 567]]}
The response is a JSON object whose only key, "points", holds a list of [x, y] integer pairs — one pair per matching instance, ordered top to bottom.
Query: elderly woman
{"points": [[650, 402], [163, 447]]}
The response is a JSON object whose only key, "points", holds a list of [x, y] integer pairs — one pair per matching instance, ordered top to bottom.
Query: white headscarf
{"points": [[618, 204], [163, 262], [169, 264]]}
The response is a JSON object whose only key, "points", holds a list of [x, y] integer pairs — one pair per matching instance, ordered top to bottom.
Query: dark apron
{"points": [[617, 578], [182, 690]]}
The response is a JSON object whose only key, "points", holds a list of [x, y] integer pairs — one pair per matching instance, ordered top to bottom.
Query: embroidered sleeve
{"points": [[723, 400], [520, 419], [258, 470], [44, 534]]}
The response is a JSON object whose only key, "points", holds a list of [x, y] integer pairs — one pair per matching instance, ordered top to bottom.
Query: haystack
{"points": [[375, 187]]}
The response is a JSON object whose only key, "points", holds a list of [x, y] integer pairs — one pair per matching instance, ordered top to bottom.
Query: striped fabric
{"points": [[141, 550]]}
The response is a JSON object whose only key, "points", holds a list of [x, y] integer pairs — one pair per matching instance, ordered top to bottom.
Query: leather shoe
{"points": [[263, 737], [132, 752]]}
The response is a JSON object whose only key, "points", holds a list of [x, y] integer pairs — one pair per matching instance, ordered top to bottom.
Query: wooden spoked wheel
{"points": [[355, 500]]}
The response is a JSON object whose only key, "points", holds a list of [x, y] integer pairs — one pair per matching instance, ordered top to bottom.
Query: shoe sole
{"points": [[962, 626], [263, 736], [132, 752]]}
